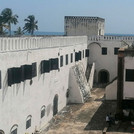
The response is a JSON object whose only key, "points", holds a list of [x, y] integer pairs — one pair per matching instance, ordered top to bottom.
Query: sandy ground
{"points": [[74, 118], [88, 118]]}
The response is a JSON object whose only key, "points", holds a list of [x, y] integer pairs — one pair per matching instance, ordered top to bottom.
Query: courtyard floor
{"points": [[88, 118]]}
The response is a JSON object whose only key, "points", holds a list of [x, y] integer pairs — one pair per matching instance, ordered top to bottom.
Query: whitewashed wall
{"points": [[104, 62], [111, 91], [128, 92], [21, 100]]}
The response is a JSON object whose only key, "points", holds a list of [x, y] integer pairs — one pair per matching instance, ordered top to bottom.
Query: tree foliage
{"points": [[8, 18], [31, 24], [18, 32]]}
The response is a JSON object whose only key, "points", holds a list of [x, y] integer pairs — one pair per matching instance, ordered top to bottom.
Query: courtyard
{"points": [[88, 118]]}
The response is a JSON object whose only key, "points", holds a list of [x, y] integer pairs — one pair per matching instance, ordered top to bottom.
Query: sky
{"points": [[118, 14]]}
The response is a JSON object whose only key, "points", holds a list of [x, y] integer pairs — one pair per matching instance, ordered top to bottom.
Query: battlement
{"points": [[85, 18], [84, 25], [108, 38], [27, 43]]}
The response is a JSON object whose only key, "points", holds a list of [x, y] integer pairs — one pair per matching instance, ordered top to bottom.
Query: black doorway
{"points": [[103, 77], [55, 105]]}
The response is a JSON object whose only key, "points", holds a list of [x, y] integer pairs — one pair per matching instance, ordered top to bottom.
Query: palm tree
{"points": [[9, 18], [31, 24], [3, 26], [19, 32]]}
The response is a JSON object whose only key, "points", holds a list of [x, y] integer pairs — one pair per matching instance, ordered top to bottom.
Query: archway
{"points": [[103, 77], [55, 105], [2, 132]]}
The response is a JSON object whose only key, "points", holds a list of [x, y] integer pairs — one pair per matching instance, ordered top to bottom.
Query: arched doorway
{"points": [[103, 77], [55, 105], [2, 132]]}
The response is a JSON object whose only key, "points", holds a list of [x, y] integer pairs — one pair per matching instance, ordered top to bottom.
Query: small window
{"points": [[116, 50], [104, 51], [83, 53], [87, 53], [79, 55], [76, 56], [71, 57], [66, 59], [61, 61], [54, 63], [45, 66], [34, 69], [130, 75], [42, 112], [28, 122], [14, 129]]}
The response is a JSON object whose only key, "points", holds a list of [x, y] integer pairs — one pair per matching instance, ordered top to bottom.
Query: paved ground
{"points": [[88, 118]]}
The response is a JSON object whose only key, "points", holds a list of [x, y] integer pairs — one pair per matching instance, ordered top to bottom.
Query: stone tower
{"points": [[78, 25]]}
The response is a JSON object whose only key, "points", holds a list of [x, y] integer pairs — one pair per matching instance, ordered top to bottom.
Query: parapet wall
{"points": [[112, 38], [27, 43]]}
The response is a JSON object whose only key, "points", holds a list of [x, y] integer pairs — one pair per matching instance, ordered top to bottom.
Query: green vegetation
{"points": [[7, 18], [31, 24], [19, 32]]}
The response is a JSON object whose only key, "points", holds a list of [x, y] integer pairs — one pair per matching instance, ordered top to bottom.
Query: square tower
{"points": [[80, 25]]}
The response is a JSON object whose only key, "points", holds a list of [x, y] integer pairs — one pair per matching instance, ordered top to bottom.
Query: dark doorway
{"points": [[103, 77], [55, 105]]}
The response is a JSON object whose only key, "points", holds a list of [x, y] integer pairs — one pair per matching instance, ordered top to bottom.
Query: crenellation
{"points": [[116, 38], [15, 44]]}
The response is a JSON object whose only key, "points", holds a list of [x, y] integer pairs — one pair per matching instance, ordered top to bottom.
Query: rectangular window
{"points": [[116, 50], [104, 51], [83, 53], [87, 53], [79, 55], [76, 56], [71, 57], [66, 59], [61, 61], [54, 64], [45, 66], [34, 69], [27, 72], [16, 75], [130, 75], [28, 123]]}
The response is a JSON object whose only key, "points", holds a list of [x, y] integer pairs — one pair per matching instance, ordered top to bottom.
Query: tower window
{"points": [[104, 51]]}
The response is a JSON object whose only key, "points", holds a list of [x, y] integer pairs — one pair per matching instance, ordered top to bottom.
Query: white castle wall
{"points": [[106, 62], [111, 91], [128, 91], [21, 100]]}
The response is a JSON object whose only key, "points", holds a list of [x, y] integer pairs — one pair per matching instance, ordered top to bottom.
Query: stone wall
{"points": [[77, 25], [25, 100]]}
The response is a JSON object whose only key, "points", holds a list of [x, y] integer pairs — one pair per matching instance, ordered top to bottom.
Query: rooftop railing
{"points": [[108, 38], [26, 43]]}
